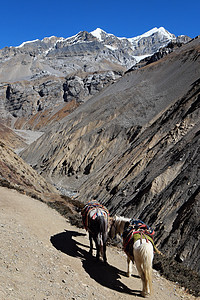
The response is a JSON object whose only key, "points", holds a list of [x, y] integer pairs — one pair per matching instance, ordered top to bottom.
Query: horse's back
{"points": [[91, 213]]}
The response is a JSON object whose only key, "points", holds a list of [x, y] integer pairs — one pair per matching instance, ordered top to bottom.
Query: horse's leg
{"points": [[91, 243], [97, 247], [104, 248], [129, 267], [147, 267], [141, 274], [146, 285], [145, 291]]}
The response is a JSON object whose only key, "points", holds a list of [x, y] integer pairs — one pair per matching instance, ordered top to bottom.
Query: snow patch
{"points": [[97, 33], [28, 42], [111, 47], [138, 58]]}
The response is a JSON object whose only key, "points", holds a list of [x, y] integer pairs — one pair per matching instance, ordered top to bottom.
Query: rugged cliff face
{"points": [[24, 100], [135, 148]]}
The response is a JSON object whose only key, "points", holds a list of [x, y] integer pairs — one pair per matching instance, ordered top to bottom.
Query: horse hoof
{"points": [[128, 274], [145, 294]]}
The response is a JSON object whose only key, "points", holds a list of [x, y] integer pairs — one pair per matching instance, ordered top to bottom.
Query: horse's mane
{"points": [[121, 218], [119, 222]]}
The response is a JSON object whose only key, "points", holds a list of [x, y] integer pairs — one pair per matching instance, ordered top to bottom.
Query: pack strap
{"points": [[133, 236]]}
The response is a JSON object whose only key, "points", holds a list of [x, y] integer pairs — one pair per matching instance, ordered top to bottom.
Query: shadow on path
{"points": [[104, 274]]}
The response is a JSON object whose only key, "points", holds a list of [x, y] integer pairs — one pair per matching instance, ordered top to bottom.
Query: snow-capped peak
{"points": [[154, 30], [97, 33], [148, 33], [166, 33], [101, 35]]}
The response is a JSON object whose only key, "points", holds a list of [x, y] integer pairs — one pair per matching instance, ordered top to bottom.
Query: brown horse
{"points": [[95, 220]]}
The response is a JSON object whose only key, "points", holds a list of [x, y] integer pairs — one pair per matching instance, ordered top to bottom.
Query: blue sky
{"points": [[22, 21]]}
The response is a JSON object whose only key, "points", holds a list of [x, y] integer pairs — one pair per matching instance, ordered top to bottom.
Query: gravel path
{"points": [[43, 257]]}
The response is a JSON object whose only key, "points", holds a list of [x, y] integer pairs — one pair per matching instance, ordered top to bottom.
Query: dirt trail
{"points": [[43, 257]]}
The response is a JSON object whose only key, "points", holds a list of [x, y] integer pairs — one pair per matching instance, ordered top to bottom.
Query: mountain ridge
{"points": [[96, 33], [36, 56]]}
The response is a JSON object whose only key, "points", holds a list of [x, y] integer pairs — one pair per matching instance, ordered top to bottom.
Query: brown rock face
{"points": [[10, 138], [135, 148], [17, 174]]}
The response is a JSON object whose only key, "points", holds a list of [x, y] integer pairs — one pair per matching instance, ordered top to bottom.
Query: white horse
{"points": [[139, 250], [142, 254]]}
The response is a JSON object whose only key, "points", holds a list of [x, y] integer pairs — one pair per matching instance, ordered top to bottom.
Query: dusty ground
{"points": [[43, 257]]}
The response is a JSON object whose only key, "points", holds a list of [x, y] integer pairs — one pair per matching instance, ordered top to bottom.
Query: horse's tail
{"points": [[103, 226], [102, 236], [146, 251], [143, 255]]}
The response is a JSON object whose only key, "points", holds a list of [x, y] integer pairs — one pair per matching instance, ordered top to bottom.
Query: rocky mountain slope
{"points": [[40, 75], [10, 138], [135, 148], [15, 173]]}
